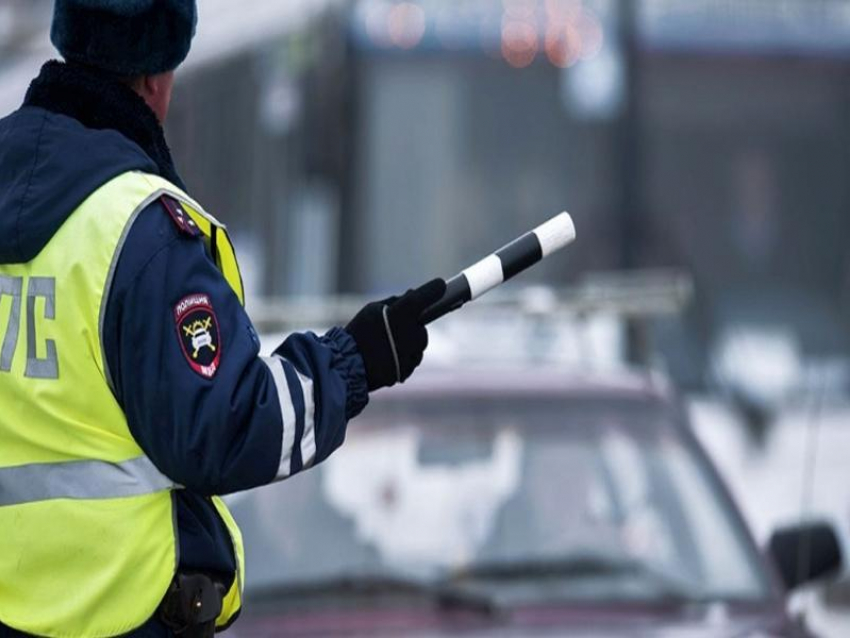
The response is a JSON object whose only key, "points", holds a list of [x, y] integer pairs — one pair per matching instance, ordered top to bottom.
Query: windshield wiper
{"points": [[669, 586], [445, 595]]}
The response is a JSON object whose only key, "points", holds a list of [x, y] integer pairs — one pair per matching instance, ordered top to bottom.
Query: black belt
{"points": [[192, 604]]}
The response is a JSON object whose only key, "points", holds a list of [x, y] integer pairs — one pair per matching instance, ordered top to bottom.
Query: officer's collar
{"points": [[99, 101]]}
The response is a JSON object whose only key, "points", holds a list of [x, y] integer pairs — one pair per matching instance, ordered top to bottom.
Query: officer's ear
{"points": [[156, 92]]}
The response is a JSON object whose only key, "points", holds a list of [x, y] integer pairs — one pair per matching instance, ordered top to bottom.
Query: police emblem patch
{"points": [[197, 329]]}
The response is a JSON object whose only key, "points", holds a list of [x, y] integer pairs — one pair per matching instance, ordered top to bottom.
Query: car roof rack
{"points": [[631, 295]]}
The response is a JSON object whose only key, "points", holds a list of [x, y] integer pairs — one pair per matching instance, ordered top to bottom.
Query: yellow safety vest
{"points": [[88, 545]]}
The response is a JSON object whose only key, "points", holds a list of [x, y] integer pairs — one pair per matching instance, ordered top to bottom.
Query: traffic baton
{"points": [[507, 262]]}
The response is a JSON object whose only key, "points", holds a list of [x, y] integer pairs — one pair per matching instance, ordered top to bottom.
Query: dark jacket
{"points": [[216, 435]]}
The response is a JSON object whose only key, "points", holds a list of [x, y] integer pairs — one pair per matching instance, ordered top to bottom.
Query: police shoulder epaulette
{"points": [[179, 216]]}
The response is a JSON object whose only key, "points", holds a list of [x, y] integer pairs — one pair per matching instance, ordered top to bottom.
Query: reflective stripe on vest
{"points": [[80, 480], [89, 538]]}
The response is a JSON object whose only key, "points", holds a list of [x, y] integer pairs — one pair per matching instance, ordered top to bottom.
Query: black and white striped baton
{"points": [[495, 269]]}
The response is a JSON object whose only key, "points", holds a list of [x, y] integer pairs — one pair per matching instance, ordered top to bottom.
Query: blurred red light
{"points": [[406, 24], [519, 42], [563, 44]]}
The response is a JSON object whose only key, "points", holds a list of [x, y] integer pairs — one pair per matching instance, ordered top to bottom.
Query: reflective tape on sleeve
{"points": [[287, 414], [308, 439]]}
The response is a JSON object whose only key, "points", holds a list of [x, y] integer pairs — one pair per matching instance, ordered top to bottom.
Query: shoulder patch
{"points": [[179, 216], [198, 333]]}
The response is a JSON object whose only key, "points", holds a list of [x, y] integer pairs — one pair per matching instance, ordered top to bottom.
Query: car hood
{"points": [[713, 621]]}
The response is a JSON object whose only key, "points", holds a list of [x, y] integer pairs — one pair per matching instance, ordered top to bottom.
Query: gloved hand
{"points": [[390, 336]]}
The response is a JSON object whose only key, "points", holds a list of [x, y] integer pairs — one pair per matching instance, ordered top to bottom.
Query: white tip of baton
{"points": [[556, 233]]}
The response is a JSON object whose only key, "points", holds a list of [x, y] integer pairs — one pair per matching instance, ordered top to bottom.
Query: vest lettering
{"points": [[10, 286], [38, 287], [47, 368]]}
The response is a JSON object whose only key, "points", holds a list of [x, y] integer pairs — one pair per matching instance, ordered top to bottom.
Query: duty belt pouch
{"points": [[191, 605]]}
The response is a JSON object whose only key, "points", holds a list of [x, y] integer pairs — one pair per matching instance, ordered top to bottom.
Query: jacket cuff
{"points": [[349, 363]]}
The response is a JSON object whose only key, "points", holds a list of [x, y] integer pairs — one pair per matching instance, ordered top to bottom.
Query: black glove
{"points": [[390, 336]]}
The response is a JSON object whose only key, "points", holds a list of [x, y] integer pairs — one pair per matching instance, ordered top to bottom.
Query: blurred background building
{"points": [[364, 146]]}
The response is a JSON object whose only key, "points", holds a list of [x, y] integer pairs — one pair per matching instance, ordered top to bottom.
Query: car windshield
{"points": [[577, 499]]}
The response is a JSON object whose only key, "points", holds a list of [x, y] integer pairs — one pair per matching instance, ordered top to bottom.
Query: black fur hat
{"points": [[125, 37]]}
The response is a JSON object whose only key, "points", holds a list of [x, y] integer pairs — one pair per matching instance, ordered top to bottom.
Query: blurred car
{"points": [[516, 502]]}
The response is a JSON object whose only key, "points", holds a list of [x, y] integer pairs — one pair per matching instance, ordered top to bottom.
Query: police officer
{"points": [[131, 390]]}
